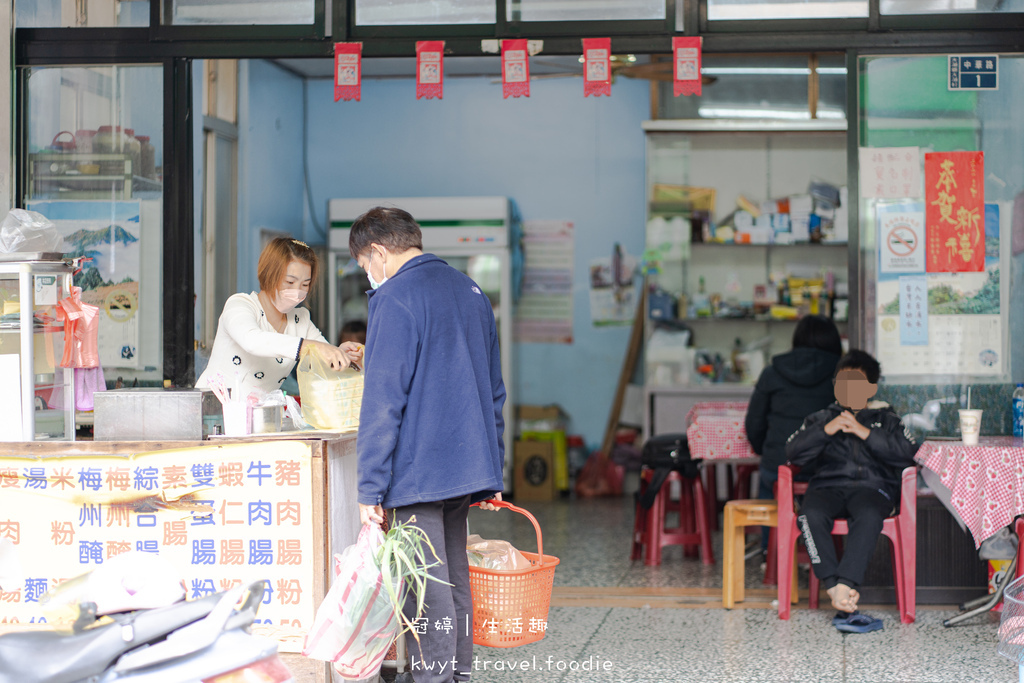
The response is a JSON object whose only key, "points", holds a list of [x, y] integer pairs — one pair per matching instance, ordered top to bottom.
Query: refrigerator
{"points": [[471, 233]]}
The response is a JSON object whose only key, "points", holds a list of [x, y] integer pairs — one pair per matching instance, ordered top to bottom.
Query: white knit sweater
{"points": [[248, 348]]}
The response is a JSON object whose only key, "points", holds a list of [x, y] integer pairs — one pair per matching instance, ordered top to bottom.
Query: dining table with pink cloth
{"points": [[716, 431], [984, 484]]}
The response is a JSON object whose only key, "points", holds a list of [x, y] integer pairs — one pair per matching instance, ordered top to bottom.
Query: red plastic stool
{"points": [[650, 534]]}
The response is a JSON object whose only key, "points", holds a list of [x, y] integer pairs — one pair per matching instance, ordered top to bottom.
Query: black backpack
{"points": [[663, 454]]}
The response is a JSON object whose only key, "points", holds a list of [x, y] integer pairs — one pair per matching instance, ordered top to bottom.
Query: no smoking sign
{"points": [[902, 235], [902, 241]]}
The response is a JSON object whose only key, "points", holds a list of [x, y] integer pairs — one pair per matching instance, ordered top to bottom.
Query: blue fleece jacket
{"points": [[431, 425]]}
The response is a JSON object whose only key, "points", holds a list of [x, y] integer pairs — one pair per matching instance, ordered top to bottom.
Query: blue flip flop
{"points": [[857, 623]]}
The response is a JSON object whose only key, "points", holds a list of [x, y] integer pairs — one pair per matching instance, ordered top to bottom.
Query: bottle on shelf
{"points": [[134, 149], [148, 157], [701, 302], [1018, 411]]}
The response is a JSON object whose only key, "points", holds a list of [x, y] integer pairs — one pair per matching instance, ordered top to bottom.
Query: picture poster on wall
{"points": [[890, 172], [954, 201], [110, 234], [613, 294], [544, 312], [966, 316]]}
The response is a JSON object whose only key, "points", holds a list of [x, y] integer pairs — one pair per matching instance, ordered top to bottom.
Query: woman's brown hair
{"points": [[273, 263]]}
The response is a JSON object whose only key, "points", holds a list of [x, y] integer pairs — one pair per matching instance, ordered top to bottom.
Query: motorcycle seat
{"points": [[67, 657]]}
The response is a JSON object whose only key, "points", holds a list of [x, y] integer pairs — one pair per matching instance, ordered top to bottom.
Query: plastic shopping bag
{"points": [[29, 231], [81, 331], [330, 399], [496, 555], [357, 622]]}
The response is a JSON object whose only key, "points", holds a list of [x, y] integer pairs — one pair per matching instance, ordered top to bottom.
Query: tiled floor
{"points": [[600, 631], [704, 643]]}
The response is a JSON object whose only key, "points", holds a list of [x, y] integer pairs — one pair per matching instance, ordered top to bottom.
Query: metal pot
{"points": [[267, 419]]}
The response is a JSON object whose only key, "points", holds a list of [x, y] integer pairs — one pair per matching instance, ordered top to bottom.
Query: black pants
{"points": [[864, 509], [445, 649]]}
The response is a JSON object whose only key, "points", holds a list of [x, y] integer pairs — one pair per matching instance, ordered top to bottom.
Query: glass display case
{"points": [[31, 346]]}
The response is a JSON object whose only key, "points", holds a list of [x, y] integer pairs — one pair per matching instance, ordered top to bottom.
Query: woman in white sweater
{"points": [[261, 335]]}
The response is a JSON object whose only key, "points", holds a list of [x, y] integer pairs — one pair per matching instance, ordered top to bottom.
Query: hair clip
{"points": [[301, 243]]}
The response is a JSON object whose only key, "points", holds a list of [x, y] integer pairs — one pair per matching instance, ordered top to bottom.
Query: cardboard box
{"points": [[548, 412], [561, 454], [534, 471]]}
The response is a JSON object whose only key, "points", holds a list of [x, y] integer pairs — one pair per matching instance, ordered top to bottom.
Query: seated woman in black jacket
{"points": [[795, 385], [858, 454]]}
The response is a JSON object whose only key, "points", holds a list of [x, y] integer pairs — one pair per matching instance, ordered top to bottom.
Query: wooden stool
{"points": [[739, 514]]}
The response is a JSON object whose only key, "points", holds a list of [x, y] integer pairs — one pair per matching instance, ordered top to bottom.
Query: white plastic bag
{"points": [[29, 231], [331, 399], [497, 555], [356, 623]]}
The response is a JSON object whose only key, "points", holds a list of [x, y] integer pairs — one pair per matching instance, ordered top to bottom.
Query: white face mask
{"points": [[373, 283], [287, 299]]}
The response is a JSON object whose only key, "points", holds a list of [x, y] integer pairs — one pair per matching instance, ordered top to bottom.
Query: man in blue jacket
{"points": [[430, 429]]}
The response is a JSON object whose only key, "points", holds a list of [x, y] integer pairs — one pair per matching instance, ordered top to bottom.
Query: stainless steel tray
{"points": [[32, 256]]}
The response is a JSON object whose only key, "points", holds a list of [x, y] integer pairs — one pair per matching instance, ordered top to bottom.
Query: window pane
{"points": [[949, 6], [786, 9], [585, 10], [242, 12], [400, 12], [63, 14], [758, 87], [901, 106], [94, 166]]}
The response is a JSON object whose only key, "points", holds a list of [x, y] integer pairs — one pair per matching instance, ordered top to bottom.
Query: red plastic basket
{"points": [[510, 608]]}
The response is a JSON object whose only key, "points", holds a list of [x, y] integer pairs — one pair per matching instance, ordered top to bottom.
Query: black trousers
{"points": [[864, 509], [444, 652]]}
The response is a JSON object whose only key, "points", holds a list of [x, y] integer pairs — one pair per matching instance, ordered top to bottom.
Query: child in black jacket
{"points": [[857, 454]]}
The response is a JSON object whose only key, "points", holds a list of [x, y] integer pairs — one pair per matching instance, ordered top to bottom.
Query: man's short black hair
{"points": [[392, 228], [855, 359]]}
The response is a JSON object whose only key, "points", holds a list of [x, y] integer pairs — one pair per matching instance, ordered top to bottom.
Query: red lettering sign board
{"points": [[954, 185]]}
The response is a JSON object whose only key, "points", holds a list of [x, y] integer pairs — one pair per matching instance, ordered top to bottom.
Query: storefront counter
{"points": [[225, 511]]}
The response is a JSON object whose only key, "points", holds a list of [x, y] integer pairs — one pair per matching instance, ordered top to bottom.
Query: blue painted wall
{"points": [[557, 154], [269, 160]]}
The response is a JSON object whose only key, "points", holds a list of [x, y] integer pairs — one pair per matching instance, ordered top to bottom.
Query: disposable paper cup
{"points": [[237, 418], [970, 426]]}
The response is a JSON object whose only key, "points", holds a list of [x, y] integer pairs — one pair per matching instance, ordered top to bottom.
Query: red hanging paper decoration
{"points": [[686, 65], [597, 66], [515, 68], [430, 69], [348, 71], [954, 184]]}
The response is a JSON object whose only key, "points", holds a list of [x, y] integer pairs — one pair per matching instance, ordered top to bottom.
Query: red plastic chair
{"points": [[901, 530], [649, 532]]}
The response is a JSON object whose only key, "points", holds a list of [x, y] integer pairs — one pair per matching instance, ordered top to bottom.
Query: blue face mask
{"points": [[373, 283]]}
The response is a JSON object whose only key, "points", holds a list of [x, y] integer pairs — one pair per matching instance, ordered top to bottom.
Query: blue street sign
{"points": [[973, 72]]}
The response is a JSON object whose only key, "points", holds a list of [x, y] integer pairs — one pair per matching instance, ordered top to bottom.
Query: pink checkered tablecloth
{"points": [[716, 431], [986, 482]]}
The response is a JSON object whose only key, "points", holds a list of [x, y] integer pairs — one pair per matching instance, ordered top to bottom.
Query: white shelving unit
{"points": [[760, 161]]}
